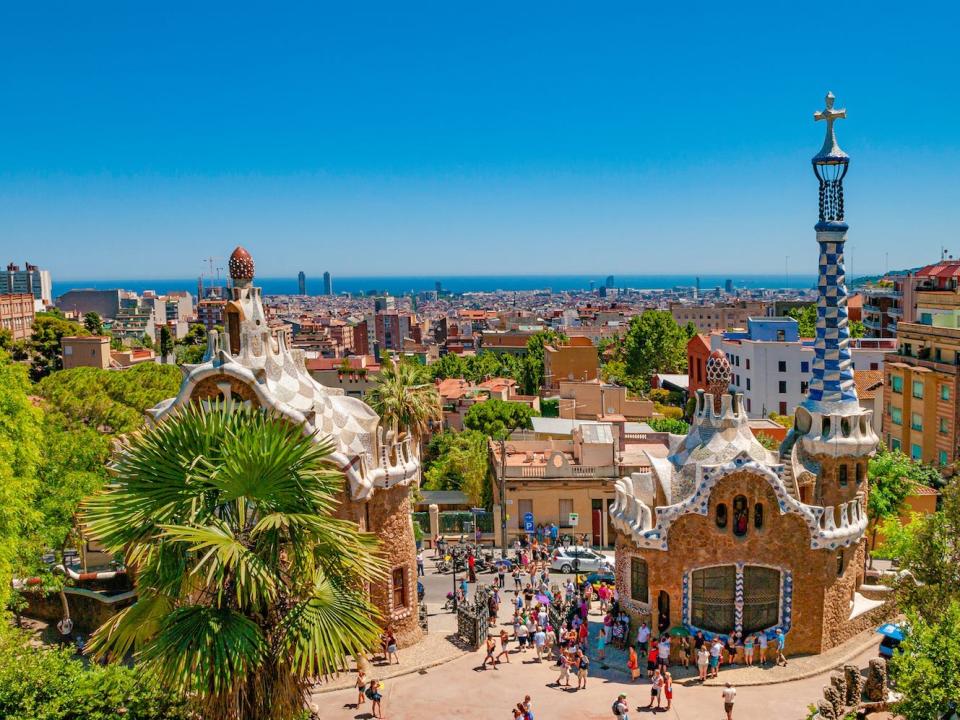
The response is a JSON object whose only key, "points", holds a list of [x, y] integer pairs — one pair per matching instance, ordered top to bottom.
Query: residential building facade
{"points": [[31, 280], [17, 314], [720, 316], [576, 360]]}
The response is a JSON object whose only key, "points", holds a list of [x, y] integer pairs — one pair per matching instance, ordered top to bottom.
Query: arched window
{"points": [[859, 473], [842, 474], [721, 515], [740, 516], [758, 516], [839, 563]]}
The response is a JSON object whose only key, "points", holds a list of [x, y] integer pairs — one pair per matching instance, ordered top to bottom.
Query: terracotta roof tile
{"points": [[868, 383]]}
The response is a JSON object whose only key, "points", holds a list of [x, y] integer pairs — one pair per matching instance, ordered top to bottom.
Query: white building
{"points": [[771, 364]]}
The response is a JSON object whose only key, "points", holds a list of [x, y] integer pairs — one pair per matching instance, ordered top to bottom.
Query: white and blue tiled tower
{"points": [[830, 421]]}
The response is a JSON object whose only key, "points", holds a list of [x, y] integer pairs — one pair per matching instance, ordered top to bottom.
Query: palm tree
{"points": [[405, 400], [247, 586]]}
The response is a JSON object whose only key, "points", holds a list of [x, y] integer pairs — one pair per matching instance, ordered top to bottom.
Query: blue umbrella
{"points": [[892, 631]]}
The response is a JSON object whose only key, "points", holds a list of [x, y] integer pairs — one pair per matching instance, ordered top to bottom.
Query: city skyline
{"points": [[377, 141]]}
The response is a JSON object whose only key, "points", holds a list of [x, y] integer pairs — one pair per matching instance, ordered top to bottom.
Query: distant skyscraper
{"points": [[31, 280], [610, 281], [302, 282], [327, 284], [592, 284], [438, 286], [729, 286]]}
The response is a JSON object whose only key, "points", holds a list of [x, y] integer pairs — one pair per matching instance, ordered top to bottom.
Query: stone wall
{"points": [[387, 515], [819, 597], [87, 611]]}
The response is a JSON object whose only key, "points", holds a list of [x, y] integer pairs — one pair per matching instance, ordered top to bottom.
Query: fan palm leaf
{"points": [[248, 587]]}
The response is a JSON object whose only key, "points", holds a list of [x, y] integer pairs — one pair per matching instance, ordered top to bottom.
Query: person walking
{"points": [[472, 567], [420, 572], [502, 575], [522, 634], [539, 640], [504, 643], [602, 643], [781, 646], [491, 649], [703, 659], [633, 665], [583, 669], [564, 677], [361, 686], [655, 687], [668, 689], [373, 692], [729, 694], [620, 707]]}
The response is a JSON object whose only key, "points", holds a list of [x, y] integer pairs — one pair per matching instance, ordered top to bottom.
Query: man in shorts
{"points": [[716, 647], [583, 668], [729, 693], [620, 707]]}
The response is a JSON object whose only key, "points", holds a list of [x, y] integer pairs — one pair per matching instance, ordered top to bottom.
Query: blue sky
{"points": [[482, 138]]}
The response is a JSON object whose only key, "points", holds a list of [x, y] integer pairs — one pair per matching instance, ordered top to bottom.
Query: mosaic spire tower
{"points": [[831, 419]]}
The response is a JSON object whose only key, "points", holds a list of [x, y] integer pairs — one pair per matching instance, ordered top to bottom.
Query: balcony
{"points": [[881, 293], [895, 312], [873, 324], [946, 368]]}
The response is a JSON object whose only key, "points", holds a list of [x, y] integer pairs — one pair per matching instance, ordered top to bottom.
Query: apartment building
{"points": [[31, 280], [16, 314], [720, 316], [576, 360], [771, 364], [920, 393], [588, 400]]}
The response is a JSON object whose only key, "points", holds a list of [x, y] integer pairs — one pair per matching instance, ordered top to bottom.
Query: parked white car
{"points": [[577, 559]]}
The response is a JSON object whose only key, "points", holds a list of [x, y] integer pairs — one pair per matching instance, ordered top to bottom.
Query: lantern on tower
{"points": [[830, 165]]}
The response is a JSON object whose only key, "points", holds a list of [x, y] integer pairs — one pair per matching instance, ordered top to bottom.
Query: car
{"points": [[576, 558], [595, 578]]}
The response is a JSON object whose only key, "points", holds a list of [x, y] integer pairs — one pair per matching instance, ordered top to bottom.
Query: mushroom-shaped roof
{"points": [[241, 264]]}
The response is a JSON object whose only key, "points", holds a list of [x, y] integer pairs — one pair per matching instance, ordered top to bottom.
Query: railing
{"points": [[932, 364]]}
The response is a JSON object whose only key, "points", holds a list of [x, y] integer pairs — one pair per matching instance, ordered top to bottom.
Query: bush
{"points": [[669, 411], [670, 425], [49, 684]]}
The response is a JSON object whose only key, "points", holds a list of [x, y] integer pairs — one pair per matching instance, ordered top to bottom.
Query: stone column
{"points": [[434, 524]]}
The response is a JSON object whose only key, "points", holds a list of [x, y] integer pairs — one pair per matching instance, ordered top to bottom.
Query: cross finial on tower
{"points": [[830, 147]]}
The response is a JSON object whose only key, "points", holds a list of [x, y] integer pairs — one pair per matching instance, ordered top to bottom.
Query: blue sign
{"points": [[528, 522]]}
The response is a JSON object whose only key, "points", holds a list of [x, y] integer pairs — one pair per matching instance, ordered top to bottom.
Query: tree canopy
{"points": [[806, 317], [48, 330], [654, 343], [111, 401], [498, 418], [20, 457], [459, 461], [892, 475], [248, 587], [927, 671]]}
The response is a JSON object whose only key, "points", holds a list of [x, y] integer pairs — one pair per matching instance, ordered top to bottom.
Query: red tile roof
{"points": [[941, 270]]}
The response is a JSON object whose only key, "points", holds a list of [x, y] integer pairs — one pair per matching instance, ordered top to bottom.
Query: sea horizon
{"points": [[403, 284]]}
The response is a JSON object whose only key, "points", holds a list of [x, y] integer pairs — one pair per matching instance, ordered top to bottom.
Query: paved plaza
{"points": [[437, 678]]}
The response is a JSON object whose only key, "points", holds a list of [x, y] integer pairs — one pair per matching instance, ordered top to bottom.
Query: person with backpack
{"points": [[583, 669], [374, 694], [620, 707]]}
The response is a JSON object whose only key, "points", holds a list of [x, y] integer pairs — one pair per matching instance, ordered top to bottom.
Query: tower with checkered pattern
{"points": [[831, 430]]}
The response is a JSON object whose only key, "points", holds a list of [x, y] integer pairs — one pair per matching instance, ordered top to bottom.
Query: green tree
{"points": [[806, 317], [93, 323], [857, 329], [48, 330], [196, 335], [6, 340], [166, 341], [654, 343], [531, 370], [405, 398], [497, 418], [670, 425], [20, 431], [459, 461], [890, 482], [248, 587], [927, 668], [40, 683]]}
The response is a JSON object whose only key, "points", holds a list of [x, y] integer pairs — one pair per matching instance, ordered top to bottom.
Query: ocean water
{"points": [[401, 284]]}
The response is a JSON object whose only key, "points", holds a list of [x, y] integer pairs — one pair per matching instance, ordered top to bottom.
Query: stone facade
{"points": [[251, 365], [723, 535]]}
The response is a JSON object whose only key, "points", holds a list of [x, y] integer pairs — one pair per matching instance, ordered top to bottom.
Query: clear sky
{"points": [[470, 138]]}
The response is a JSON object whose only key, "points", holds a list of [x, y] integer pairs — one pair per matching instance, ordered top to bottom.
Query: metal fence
{"points": [[456, 522]]}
